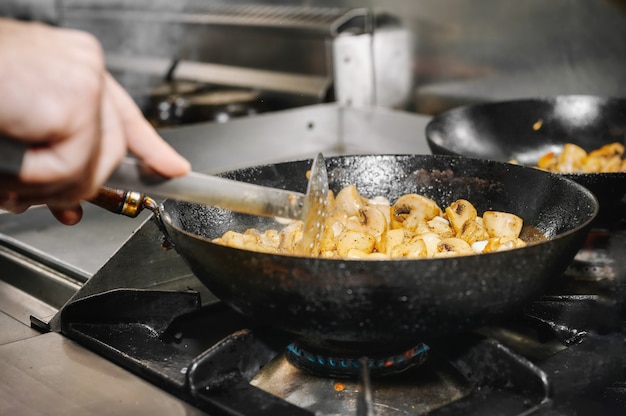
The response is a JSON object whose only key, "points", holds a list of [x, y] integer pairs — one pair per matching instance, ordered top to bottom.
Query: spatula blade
{"points": [[315, 209]]}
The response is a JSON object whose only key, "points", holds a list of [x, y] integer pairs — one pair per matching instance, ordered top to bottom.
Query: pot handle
{"points": [[119, 201], [131, 204]]}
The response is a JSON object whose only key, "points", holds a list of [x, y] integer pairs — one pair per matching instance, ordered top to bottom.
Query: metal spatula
{"points": [[213, 190], [237, 196]]}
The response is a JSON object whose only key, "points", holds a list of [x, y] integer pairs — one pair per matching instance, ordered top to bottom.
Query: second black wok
{"points": [[525, 129], [383, 306]]}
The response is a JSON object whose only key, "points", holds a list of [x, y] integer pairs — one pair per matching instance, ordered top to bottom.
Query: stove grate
{"points": [[147, 332]]}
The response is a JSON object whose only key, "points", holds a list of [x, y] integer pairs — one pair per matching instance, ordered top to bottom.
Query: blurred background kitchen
{"points": [[423, 55]]}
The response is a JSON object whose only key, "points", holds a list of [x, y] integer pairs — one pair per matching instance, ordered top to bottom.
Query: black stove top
{"points": [[563, 355]]}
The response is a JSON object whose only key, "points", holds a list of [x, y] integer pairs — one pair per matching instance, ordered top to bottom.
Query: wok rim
{"points": [[168, 222]]}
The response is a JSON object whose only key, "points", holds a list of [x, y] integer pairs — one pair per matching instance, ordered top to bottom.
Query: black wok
{"points": [[526, 129], [383, 306]]}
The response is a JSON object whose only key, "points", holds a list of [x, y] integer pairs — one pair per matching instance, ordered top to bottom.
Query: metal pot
{"points": [[526, 129], [385, 306]]}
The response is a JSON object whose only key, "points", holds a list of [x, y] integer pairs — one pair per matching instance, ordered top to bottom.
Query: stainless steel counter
{"points": [[43, 263], [51, 375]]}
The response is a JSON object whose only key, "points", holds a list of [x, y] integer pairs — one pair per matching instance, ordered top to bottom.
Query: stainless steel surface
{"points": [[293, 16], [481, 50], [373, 69], [531, 83], [330, 129], [284, 135], [211, 190], [79, 250], [31, 288], [12, 329], [51, 375]]}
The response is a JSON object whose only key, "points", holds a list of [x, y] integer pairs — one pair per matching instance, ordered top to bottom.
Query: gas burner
{"points": [[178, 88], [170, 103], [173, 104], [219, 105], [349, 366]]}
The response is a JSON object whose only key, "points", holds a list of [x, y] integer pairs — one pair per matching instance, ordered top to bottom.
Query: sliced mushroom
{"points": [[571, 159], [349, 201], [412, 209], [460, 211], [502, 224], [441, 227], [473, 231], [392, 238], [350, 239], [503, 243], [453, 247], [415, 249]]}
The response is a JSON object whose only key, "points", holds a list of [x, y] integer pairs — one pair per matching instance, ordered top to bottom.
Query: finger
{"points": [[143, 141], [112, 144], [72, 145], [52, 163], [62, 167], [27, 191], [17, 196], [9, 201], [14, 209], [67, 216]]}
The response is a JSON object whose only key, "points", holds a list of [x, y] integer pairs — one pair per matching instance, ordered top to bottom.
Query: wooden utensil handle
{"points": [[119, 201]]}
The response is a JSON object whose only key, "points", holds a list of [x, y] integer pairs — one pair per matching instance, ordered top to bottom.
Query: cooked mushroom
{"points": [[502, 224], [412, 228]]}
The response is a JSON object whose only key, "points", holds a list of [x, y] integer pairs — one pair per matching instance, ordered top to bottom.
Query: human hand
{"points": [[75, 119]]}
